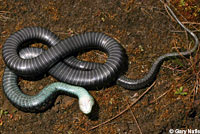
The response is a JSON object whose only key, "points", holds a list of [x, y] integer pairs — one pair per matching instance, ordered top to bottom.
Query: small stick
{"points": [[169, 13], [193, 23], [173, 31], [175, 69], [160, 96], [124, 109], [135, 119]]}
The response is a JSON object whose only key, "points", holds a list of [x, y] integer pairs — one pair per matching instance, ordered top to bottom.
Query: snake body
{"points": [[59, 63], [45, 97]]}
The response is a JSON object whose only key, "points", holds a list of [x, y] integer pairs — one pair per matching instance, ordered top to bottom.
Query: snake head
{"points": [[86, 103]]}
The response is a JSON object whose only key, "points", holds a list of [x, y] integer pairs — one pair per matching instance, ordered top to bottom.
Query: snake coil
{"points": [[57, 60], [59, 63], [74, 71], [45, 98]]}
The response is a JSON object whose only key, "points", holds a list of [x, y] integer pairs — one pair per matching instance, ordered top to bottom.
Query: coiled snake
{"points": [[59, 63], [45, 97]]}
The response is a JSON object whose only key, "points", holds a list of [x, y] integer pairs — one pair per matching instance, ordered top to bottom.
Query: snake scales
{"points": [[59, 63]]}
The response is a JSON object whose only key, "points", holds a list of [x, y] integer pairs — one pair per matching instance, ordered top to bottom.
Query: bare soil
{"points": [[145, 30]]}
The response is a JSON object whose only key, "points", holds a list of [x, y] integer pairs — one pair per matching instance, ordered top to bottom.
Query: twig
{"points": [[4, 12], [146, 12], [168, 13], [3, 16], [192, 23], [173, 31], [195, 65], [175, 69], [197, 73], [153, 101], [124, 109], [135, 120]]}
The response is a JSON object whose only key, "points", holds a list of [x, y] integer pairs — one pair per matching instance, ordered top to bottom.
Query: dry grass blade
{"points": [[3, 16], [192, 23], [153, 101], [138, 126]]}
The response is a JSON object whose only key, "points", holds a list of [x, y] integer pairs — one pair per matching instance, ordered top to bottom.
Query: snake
{"points": [[59, 62], [45, 97]]}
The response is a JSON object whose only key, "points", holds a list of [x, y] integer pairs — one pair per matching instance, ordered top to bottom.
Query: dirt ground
{"points": [[145, 30]]}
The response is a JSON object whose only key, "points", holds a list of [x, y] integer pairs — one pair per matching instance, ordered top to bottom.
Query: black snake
{"points": [[59, 63]]}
